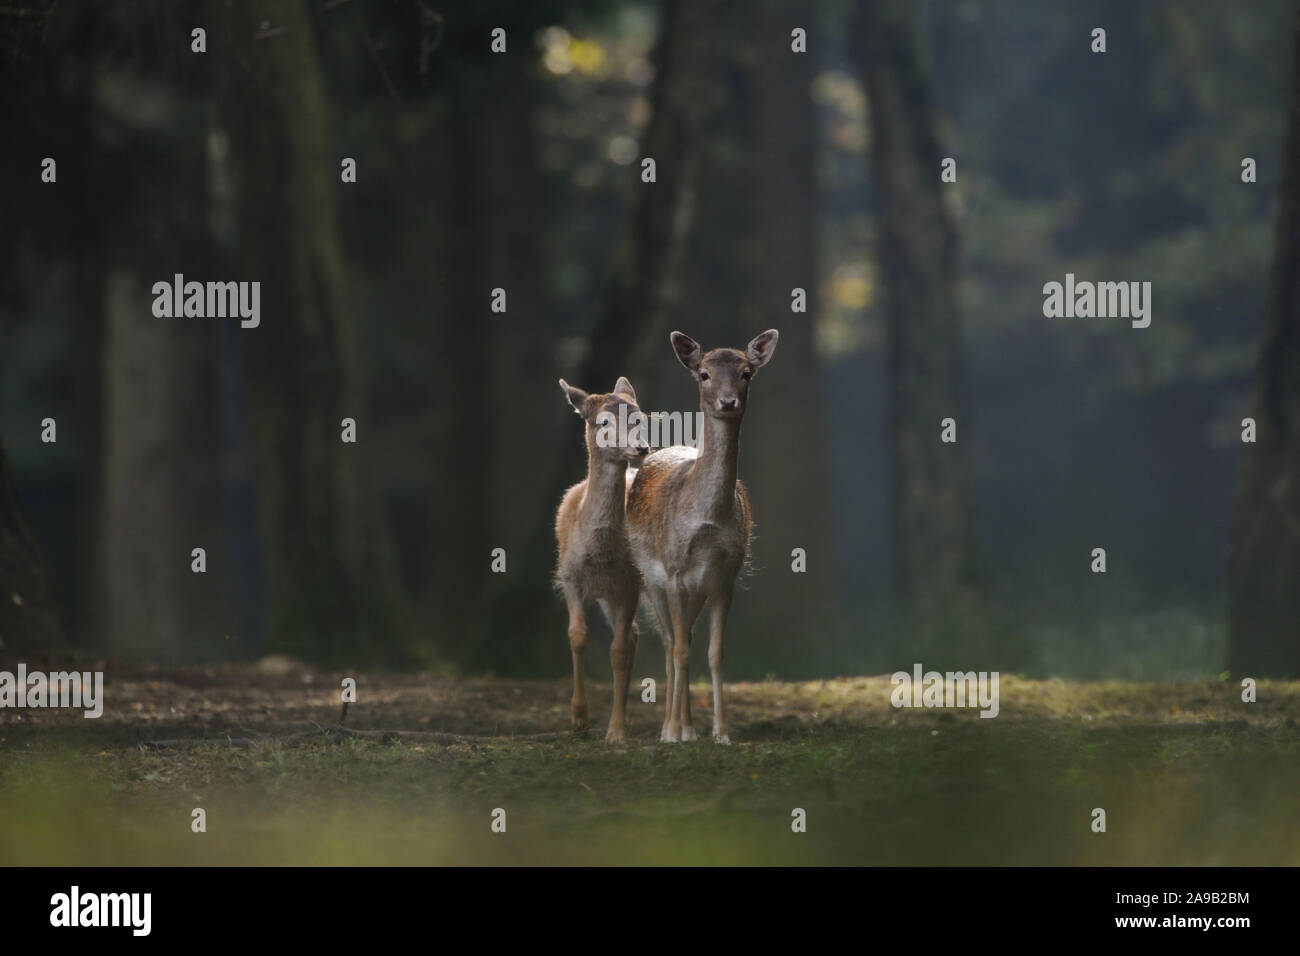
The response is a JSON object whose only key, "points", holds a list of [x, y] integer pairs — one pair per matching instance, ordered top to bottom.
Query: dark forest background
{"points": [[775, 170]]}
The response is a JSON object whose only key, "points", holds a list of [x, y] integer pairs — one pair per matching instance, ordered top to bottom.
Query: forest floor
{"points": [[1186, 773]]}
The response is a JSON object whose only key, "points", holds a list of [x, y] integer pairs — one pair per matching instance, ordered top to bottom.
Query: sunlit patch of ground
{"points": [[1187, 774]]}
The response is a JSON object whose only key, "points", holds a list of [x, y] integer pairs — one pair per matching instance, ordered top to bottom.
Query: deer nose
{"points": [[726, 404], [643, 450]]}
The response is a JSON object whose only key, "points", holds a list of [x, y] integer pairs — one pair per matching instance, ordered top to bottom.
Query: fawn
{"points": [[689, 523], [595, 562]]}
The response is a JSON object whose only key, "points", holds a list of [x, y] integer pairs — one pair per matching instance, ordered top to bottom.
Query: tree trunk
{"points": [[46, 97], [917, 245], [630, 336], [523, 389], [503, 390], [784, 456], [158, 465], [159, 480], [1264, 565], [327, 571], [29, 623]]}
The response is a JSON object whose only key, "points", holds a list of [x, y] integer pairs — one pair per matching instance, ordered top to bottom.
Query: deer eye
{"points": [[746, 375], [704, 376]]}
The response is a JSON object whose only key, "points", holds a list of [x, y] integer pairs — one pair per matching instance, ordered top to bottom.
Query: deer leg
{"points": [[659, 605], [686, 609], [718, 609], [578, 647], [621, 655], [681, 663], [668, 685]]}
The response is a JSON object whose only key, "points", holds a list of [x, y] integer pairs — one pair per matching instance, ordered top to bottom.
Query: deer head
{"points": [[724, 374], [616, 428]]}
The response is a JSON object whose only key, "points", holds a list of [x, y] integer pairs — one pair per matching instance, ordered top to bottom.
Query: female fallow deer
{"points": [[689, 523], [595, 563]]}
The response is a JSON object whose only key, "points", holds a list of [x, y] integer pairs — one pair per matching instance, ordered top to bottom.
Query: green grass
{"points": [[1187, 774]]}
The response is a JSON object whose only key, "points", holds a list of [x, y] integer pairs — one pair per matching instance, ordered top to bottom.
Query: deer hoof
{"points": [[688, 733], [615, 735], [721, 739]]}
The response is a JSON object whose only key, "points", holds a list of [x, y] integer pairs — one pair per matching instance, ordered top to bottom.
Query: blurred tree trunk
{"points": [[46, 98], [513, 230], [918, 262], [630, 336], [502, 387], [784, 455], [158, 466], [159, 478], [460, 559], [1264, 566], [328, 576], [86, 614], [29, 623]]}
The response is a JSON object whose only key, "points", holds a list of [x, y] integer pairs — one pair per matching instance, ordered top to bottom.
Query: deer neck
{"points": [[713, 478], [603, 502]]}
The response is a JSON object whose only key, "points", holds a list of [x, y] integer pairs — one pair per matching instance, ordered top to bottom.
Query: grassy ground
{"points": [[1187, 774]]}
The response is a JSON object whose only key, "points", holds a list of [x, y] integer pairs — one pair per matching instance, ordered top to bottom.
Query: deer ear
{"points": [[762, 348], [688, 350], [624, 387], [577, 398]]}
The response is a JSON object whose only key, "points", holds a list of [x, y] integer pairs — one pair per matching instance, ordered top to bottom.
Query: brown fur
{"points": [[645, 488], [690, 523], [594, 559]]}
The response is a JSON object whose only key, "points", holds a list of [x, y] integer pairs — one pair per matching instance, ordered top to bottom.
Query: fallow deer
{"points": [[689, 523], [595, 562]]}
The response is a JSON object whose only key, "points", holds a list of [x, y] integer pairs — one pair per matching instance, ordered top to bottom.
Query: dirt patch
{"points": [[280, 698]]}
